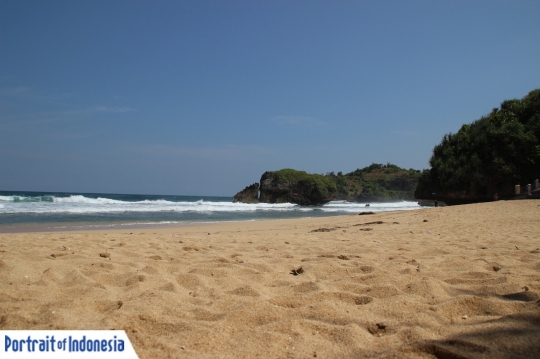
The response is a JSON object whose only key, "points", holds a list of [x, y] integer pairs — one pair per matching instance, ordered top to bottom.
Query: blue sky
{"points": [[202, 97]]}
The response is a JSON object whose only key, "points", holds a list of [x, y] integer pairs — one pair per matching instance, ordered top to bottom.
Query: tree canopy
{"points": [[489, 155]]}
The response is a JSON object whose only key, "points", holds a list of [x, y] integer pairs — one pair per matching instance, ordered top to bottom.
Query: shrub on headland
{"points": [[376, 183]]}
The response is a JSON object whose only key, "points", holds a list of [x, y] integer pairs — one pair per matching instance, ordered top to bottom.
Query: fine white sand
{"points": [[452, 282]]}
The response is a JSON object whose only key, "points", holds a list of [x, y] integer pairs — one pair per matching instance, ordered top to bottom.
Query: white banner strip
{"points": [[41, 344]]}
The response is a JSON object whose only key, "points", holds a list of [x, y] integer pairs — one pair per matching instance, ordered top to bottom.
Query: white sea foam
{"points": [[86, 200], [79, 204], [340, 206]]}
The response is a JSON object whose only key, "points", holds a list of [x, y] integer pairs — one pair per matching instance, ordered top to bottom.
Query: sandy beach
{"points": [[451, 282]]}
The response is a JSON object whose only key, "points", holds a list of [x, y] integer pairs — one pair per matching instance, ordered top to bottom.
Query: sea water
{"points": [[62, 211]]}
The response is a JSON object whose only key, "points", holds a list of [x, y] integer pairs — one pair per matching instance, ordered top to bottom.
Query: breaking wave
{"points": [[89, 209]]}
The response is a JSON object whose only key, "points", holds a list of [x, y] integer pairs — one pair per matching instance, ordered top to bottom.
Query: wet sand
{"points": [[451, 282]]}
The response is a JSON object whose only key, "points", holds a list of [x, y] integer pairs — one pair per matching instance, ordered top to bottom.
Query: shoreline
{"points": [[66, 227], [119, 227], [30, 228], [21, 229], [460, 281]]}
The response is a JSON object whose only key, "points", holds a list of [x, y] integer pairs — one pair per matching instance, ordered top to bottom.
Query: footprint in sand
{"points": [[191, 249], [367, 269], [149, 270], [135, 279], [189, 281], [169, 287], [306, 287], [246, 291]]}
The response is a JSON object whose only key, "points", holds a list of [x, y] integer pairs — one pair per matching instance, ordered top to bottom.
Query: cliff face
{"points": [[289, 186], [276, 188], [273, 190], [250, 194]]}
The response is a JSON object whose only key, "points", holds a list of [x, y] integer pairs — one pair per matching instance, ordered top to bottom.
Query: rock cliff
{"points": [[289, 186], [250, 194]]}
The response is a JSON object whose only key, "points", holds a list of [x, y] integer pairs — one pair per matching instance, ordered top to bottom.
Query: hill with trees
{"points": [[488, 156], [376, 183]]}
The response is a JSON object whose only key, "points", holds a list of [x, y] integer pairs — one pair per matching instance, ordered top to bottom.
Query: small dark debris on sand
{"points": [[365, 213], [368, 223], [323, 230], [105, 255], [342, 257], [297, 271], [378, 328]]}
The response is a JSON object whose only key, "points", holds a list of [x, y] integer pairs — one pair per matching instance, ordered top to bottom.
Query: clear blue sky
{"points": [[202, 97]]}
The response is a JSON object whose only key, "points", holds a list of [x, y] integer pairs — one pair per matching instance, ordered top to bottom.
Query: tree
{"points": [[489, 155]]}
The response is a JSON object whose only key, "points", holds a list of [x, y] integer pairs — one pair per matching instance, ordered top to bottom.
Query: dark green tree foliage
{"points": [[490, 155]]}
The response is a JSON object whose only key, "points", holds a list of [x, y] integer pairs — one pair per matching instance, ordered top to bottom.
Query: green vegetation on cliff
{"points": [[490, 155], [376, 182], [325, 186]]}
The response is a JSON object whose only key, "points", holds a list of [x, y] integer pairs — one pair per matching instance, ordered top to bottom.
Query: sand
{"points": [[452, 282]]}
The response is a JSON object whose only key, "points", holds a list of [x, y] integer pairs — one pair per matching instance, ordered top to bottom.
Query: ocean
{"points": [[47, 211]]}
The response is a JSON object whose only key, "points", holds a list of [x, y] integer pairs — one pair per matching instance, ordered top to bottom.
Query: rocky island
{"points": [[289, 186]]}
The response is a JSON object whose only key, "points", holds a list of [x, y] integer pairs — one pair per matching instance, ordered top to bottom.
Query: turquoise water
{"points": [[57, 211]]}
